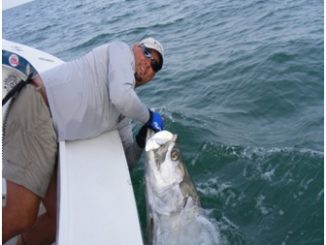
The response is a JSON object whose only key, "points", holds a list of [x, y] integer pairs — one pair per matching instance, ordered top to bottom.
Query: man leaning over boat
{"points": [[76, 100]]}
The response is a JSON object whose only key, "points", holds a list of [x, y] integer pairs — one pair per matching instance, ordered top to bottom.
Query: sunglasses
{"points": [[156, 66]]}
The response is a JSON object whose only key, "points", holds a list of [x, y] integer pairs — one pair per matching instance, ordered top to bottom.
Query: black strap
{"points": [[17, 88]]}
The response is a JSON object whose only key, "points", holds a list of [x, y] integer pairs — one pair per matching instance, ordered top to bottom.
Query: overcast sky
{"points": [[7, 4]]}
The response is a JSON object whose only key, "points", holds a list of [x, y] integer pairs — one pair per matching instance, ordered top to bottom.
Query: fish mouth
{"points": [[158, 139]]}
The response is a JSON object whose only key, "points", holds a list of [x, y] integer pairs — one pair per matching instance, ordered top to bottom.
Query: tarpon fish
{"points": [[173, 206]]}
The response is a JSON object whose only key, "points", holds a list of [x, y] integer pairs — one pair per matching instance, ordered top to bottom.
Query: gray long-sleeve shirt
{"points": [[94, 94]]}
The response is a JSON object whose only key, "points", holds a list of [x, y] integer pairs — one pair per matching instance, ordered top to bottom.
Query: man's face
{"points": [[143, 64]]}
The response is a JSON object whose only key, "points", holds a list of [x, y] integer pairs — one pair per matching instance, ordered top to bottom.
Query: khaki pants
{"points": [[29, 142]]}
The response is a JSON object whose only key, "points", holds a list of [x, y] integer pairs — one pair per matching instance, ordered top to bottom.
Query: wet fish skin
{"points": [[173, 206]]}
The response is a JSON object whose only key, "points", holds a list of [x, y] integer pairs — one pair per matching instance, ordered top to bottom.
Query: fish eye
{"points": [[175, 155]]}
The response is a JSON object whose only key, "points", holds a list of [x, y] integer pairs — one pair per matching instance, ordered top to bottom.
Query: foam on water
{"points": [[242, 85], [191, 227]]}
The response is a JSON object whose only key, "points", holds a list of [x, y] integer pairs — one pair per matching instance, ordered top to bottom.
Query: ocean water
{"points": [[242, 86]]}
